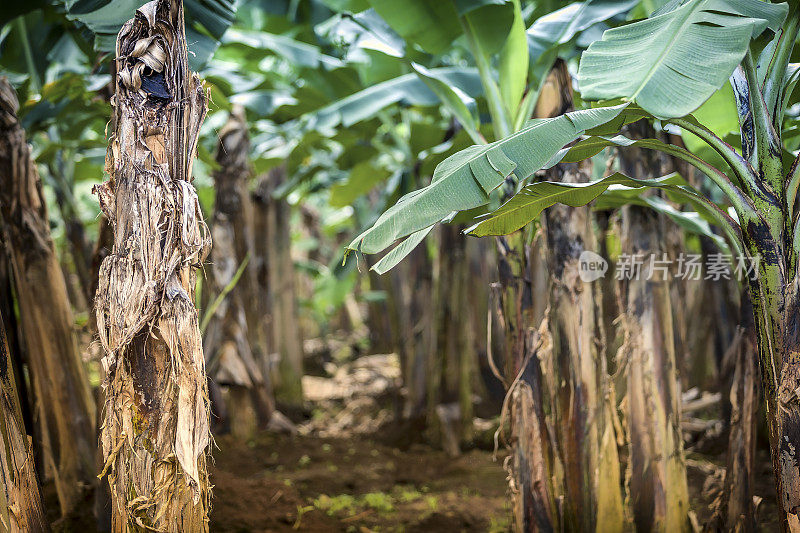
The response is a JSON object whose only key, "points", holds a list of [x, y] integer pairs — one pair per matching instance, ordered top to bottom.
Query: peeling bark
{"points": [[102, 248], [13, 337], [227, 342], [582, 399], [64, 406], [156, 429], [532, 464], [656, 466], [565, 471], [656, 474], [20, 496]]}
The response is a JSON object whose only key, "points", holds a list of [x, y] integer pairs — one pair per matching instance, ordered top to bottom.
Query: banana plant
{"points": [[663, 69], [517, 81]]}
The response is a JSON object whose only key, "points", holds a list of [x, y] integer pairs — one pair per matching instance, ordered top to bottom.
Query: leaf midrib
{"points": [[664, 53]]}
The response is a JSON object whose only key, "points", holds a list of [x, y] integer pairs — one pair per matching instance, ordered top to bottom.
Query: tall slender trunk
{"points": [[273, 251], [482, 270], [379, 320], [416, 331], [227, 342], [451, 365], [583, 401], [65, 409], [156, 429], [656, 466], [565, 467], [656, 474], [20, 497]]}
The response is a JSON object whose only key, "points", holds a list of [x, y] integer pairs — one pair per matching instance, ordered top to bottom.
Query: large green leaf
{"points": [[465, 7], [490, 22], [434, 24], [561, 26], [363, 31], [295, 52], [674, 61], [513, 63], [408, 88], [262, 103], [460, 104], [719, 115], [594, 144], [464, 181], [534, 198], [531, 200]]}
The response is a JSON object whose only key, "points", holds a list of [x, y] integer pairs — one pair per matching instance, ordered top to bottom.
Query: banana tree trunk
{"points": [[276, 275], [411, 304], [379, 320], [416, 330], [13, 339], [228, 339], [451, 364], [61, 390], [582, 398], [156, 430], [533, 463], [656, 466], [565, 467], [656, 475], [20, 496]]}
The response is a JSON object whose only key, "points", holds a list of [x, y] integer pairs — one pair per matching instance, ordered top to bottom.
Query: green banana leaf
{"points": [[674, 61], [409, 88], [464, 180], [531, 200], [528, 204]]}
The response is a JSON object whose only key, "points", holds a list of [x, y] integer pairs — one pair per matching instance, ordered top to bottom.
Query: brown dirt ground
{"points": [[283, 483], [302, 483]]}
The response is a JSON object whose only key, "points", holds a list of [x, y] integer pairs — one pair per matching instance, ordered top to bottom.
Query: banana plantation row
{"points": [[592, 146]]}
